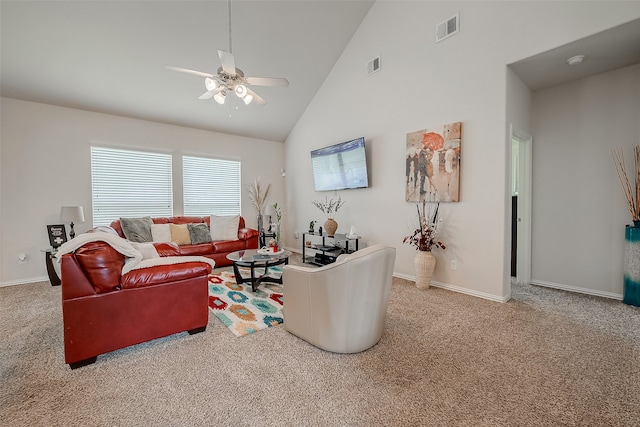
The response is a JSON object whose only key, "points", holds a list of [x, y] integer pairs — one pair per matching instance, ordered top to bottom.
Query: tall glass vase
{"points": [[260, 228], [631, 291]]}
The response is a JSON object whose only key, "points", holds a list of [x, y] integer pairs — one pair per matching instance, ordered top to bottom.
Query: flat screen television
{"points": [[340, 166]]}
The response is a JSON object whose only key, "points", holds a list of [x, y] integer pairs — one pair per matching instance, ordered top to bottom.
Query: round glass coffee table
{"points": [[254, 259]]}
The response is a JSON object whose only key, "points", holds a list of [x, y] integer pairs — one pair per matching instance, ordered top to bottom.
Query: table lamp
{"points": [[71, 214]]}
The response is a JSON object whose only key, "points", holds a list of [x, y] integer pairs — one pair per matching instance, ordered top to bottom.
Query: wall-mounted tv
{"points": [[340, 167]]}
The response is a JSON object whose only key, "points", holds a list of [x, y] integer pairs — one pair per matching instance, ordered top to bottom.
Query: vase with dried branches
{"points": [[631, 194], [258, 197], [425, 238], [631, 284]]}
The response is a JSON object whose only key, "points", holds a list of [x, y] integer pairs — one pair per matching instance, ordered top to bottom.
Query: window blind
{"points": [[127, 183], [210, 186]]}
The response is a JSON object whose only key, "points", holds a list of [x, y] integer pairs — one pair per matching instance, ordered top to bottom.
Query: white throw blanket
{"points": [[133, 257], [170, 260]]}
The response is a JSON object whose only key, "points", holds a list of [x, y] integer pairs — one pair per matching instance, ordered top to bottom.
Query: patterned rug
{"points": [[242, 310]]}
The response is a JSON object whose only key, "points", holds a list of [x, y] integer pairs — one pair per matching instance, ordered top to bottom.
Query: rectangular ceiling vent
{"points": [[447, 28], [373, 65]]}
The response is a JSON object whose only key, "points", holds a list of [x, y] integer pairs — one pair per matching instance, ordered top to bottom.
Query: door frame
{"points": [[525, 178]]}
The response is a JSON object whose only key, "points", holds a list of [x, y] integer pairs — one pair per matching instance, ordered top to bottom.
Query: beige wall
{"points": [[423, 84], [46, 164], [579, 209]]}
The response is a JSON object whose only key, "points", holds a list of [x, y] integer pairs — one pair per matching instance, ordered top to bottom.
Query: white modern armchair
{"points": [[340, 307]]}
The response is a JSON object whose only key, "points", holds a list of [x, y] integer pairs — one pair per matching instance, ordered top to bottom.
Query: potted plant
{"points": [[258, 197], [330, 208], [424, 238]]}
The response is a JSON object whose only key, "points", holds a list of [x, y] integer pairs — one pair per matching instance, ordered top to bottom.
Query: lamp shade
{"points": [[220, 97], [71, 214]]}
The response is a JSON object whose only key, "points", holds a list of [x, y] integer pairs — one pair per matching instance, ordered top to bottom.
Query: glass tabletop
{"points": [[252, 255]]}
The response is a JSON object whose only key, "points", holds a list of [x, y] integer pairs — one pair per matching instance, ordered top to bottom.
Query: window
{"points": [[127, 183], [210, 186]]}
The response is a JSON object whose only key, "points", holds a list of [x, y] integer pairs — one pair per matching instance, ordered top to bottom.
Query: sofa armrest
{"points": [[247, 233], [74, 282]]}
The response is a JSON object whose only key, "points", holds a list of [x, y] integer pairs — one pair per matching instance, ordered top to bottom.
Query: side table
{"points": [[263, 237], [51, 271]]}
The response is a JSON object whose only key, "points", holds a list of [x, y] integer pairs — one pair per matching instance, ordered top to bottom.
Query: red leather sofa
{"points": [[216, 250], [104, 310]]}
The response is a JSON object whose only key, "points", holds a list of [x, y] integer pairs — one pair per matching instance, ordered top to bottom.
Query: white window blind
{"points": [[131, 184], [210, 186]]}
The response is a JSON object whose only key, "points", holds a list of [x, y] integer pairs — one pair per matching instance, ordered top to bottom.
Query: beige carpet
{"points": [[546, 358]]}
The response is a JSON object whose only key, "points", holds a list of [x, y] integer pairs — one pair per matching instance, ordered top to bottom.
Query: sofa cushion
{"points": [[186, 219], [224, 227], [137, 229], [161, 232], [199, 233], [180, 234], [224, 246], [166, 249], [201, 249], [102, 265], [164, 274]]}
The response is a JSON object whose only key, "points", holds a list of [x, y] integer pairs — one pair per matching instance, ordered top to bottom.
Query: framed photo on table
{"points": [[57, 235]]}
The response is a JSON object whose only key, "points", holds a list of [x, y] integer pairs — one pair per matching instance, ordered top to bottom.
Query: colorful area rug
{"points": [[242, 310]]}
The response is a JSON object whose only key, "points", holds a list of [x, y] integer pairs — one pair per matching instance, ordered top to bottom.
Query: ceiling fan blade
{"points": [[227, 61], [185, 70], [267, 81], [209, 94], [257, 98]]}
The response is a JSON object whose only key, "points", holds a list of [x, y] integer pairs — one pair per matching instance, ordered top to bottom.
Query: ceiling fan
{"points": [[230, 79]]}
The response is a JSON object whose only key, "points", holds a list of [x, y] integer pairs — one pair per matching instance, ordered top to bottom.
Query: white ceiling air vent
{"points": [[447, 28], [373, 65]]}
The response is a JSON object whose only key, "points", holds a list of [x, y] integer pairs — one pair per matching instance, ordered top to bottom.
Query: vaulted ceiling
{"points": [[109, 57]]}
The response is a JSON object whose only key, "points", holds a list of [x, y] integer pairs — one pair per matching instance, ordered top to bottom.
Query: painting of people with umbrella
{"points": [[433, 164]]}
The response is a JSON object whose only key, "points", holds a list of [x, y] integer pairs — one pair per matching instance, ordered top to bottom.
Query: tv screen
{"points": [[340, 166]]}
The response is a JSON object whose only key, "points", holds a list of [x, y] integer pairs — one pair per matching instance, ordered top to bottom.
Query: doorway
{"points": [[521, 183]]}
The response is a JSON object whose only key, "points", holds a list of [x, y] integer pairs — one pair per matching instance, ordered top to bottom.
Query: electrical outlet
{"points": [[296, 235], [22, 258], [454, 264]]}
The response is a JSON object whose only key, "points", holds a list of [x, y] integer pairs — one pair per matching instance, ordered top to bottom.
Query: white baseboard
{"points": [[25, 281], [458, 289], [579, 290]]}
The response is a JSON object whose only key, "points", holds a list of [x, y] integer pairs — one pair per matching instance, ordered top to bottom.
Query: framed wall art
{"points": [[433, 164], [57, 235]]}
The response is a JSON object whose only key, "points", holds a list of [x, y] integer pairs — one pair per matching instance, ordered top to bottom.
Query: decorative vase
{"points": [[330, 225], [260, 229], [278, 234], [424, 263], [631, 290]]}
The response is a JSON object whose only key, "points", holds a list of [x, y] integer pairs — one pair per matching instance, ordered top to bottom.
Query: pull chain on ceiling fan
{"points": [[230, 79]]}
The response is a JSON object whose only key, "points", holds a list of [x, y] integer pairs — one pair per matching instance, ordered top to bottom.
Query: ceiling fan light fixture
{"points": [[211, 84], [241, 91], [220, 97], [247, 99]]}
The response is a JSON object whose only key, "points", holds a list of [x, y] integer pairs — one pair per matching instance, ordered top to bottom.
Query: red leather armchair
{"points": [[104, 310]]}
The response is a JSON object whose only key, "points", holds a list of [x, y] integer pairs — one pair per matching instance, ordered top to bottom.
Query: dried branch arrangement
{"points": [[256, 195], [633, 198]]}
